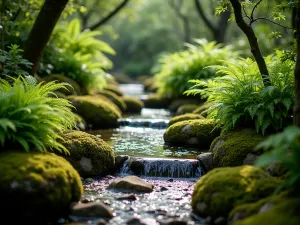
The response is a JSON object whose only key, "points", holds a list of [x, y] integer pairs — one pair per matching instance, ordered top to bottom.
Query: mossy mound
{"points": [[63, 79], [150, 85], [113, 88], [117, 100], [155, 101], [176, 103], [133, 104], [186, 108], [201, 109], [97, 111], [187, 116], [80, 122], [198, 132], [233, 148], [90, 155], [36, 187], [222, 189], [275, 210]]}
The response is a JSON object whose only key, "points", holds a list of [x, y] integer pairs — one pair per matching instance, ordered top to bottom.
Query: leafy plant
{"points": [[77, 54], [12, 62], [175, 70], [240, 97], [31, 115], [283, 148]]}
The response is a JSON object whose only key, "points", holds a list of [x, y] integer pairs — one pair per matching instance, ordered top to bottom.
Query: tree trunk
{"points": [[42, 30], [252, 39], [297, 70]]}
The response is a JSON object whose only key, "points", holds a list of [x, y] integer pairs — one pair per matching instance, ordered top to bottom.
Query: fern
{"points": [[175, 70], [239, 98], [31, 116], [283, 148]]}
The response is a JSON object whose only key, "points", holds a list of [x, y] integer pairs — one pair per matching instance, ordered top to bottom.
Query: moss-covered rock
{"points": [[63, 79], [150, 85], [113, 88], [117, 100], [155, 101], [176, 103], [133, 104], [186, 108], [201, 109], [96, 110], [187, 116], [199, 132], [236, 148], [90, 155], [36, 187], [222, 189], [276, 210]]}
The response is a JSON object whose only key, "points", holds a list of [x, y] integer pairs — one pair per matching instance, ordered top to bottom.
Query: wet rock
{"points": [[134, 105], [249, 159], [119, 161], [206, 161], [137, 166], [276, 170], [88, 180], [171, 180], [131, 184], [164, 188], [127, 197], [85, 201], [93, 209], [135, 221], [220, 221], [101, 222], [173, 222]]}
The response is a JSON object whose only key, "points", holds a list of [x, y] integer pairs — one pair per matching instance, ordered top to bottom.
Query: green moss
{"points": [[63, 79], [150, 85], [113, 88], [114, 98], [156, 101], [133, 104], [175, 104], [186, 108], [201, 109], [96, 110], [187, 116], [198, 132], [230, 149], [90, 155], [36, 186], [222, 189], [278, 210]]}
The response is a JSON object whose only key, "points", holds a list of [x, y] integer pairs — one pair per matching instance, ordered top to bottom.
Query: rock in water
{"points": [[131, 184], [92, 209]]}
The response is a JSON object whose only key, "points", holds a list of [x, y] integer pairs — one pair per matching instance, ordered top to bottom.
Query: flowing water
{"points": [[172, 170]]}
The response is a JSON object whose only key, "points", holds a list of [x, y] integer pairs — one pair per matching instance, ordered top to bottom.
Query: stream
{"points": [[172, 170]]}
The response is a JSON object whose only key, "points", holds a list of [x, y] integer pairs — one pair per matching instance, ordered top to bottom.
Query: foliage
{"points": [[78, 55], [12, 62], [175, 70], [240, 98], [31, 115], [284, 148]]}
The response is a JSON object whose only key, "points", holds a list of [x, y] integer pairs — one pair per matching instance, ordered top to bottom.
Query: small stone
{"points": [[249, 159], [88, 180], [171, 180], [131, 184], [164, 188], [127, 197], [85, 201], [266, 207], [92, 209], [135, 221], [220, 221], [101, 222], [173, 222]]}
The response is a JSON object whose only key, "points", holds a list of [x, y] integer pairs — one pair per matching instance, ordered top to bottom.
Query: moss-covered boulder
{"points": [[150, 85], [113, 88], [74, 90], [117, 100], [156, 101], [176, 103], [133, 104], [186, 108], [202, 108], [97, 111], [187, 116], [198, 132], [236, 148], [90, 155], [36, 187], [222, 189], [276, 210]]}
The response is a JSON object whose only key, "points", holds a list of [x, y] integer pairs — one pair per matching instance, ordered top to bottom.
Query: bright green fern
{"points": [[239, 98], [31, 116]]}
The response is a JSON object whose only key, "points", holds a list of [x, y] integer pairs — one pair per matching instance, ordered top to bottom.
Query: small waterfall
{"points": [[148, 123], [158, 167]]}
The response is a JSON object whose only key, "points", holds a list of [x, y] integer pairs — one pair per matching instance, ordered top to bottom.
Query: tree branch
{"points": [[252, 13], [109, 16], [271, 21], [210, 25]]}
